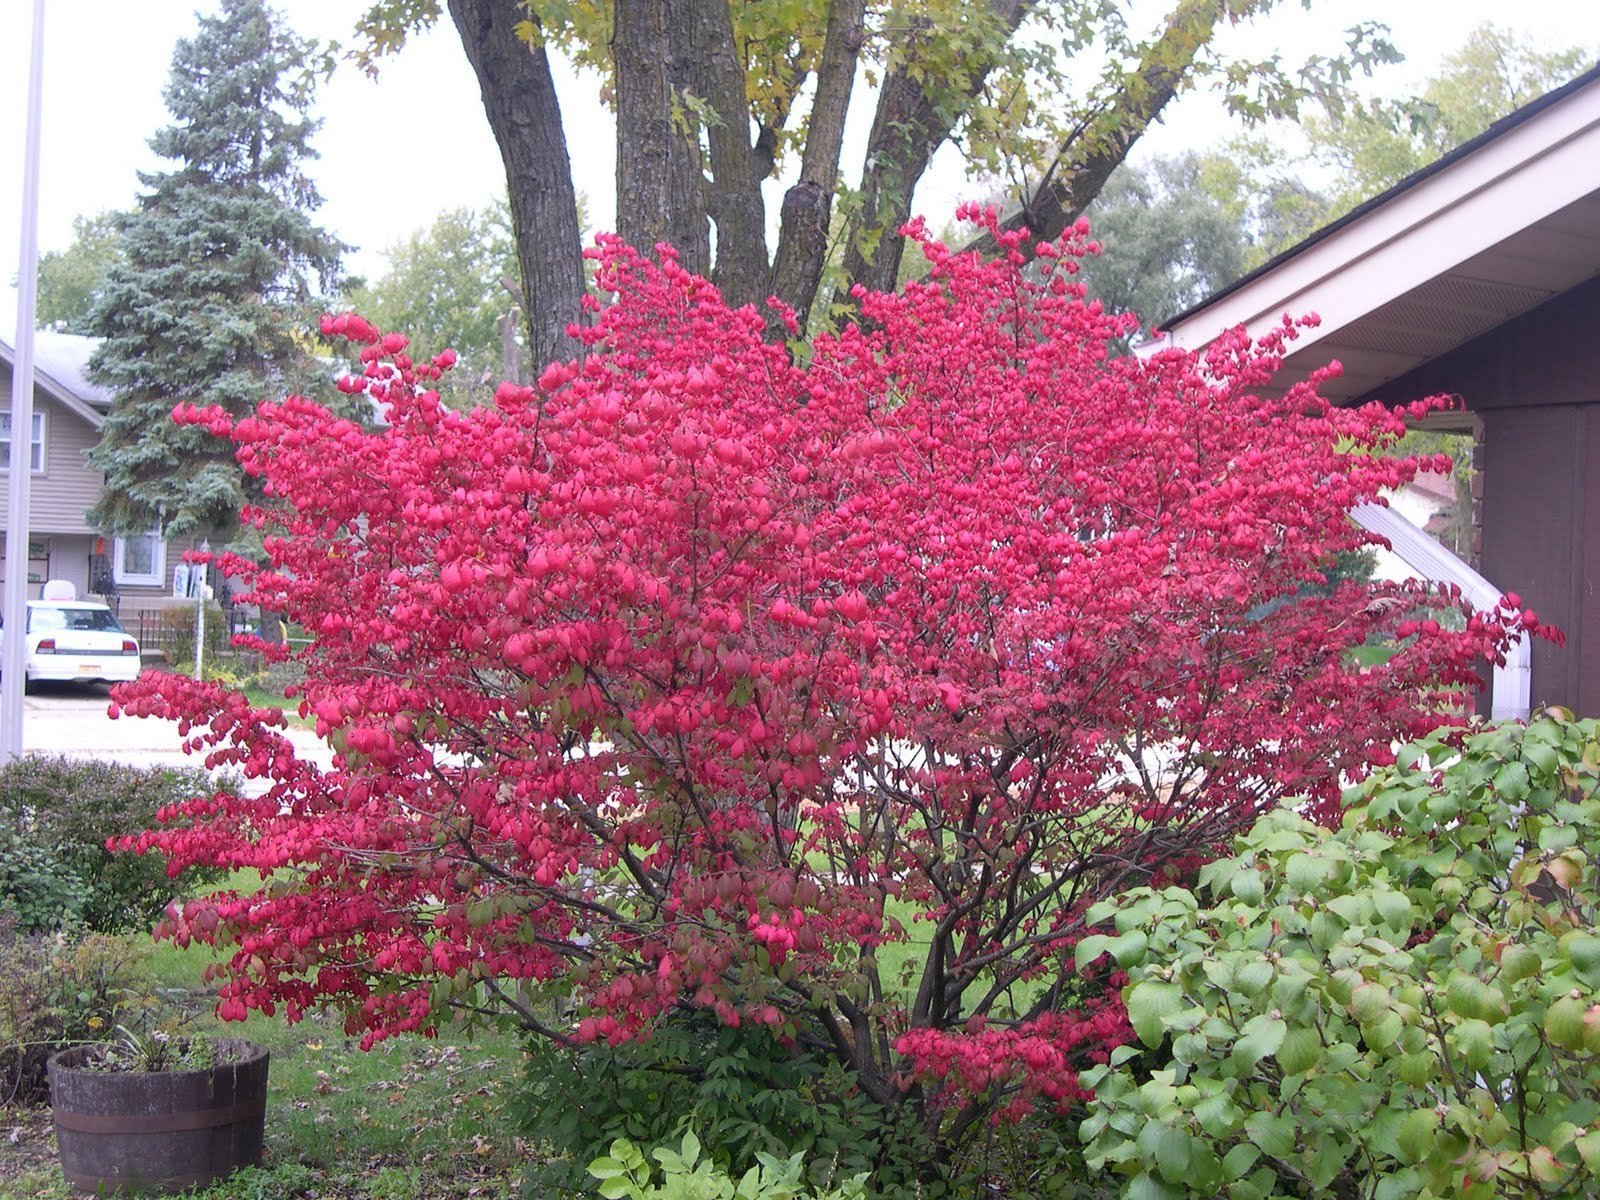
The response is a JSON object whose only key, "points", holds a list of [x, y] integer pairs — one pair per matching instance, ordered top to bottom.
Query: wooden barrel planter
{"points": [[158, 1131]]}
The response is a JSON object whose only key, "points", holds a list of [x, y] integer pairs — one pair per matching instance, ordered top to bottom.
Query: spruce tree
{"points": [[221, 260]]}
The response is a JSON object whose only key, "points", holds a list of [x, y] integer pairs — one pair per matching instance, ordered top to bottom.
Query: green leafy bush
{"points": [[55, 816], [39, 886], [55, 994], [1407, 1007], [745, 1092], [625, 1174]]}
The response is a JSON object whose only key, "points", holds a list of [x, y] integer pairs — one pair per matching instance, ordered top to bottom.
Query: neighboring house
{"points": [[1479, 277], [131, 573]]}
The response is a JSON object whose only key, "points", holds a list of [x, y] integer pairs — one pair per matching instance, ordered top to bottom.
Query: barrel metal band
{"points": [[160, 1122]]}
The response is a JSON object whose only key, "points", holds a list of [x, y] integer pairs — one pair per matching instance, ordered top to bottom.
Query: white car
{"points": [[77, 641]]}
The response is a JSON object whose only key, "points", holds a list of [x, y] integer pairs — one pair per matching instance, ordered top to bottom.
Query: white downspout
{"points": [[1511, 690]]}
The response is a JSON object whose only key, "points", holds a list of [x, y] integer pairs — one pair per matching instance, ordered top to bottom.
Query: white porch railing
{"points": [[1511, 687]]}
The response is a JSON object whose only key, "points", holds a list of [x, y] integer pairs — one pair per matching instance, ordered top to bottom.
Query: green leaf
{"points": [[1511, 782], [1306, 872], [1246, 885], [1394, 909], [1129, 948], [1089, 949], [1584, 952], [1518, 961], [1253, 977], [1149, 1001], [1369, 1001], [1563, 1023], [1381, 1034], [1261, 1036], [1475, 1040], [1301, 1050], [1218, 1115], [1273, 1134], [1416, 1134], [1169, 1147], [1589, 1150], [1327, 1161], [1237, 1162], [1148, 1187]]}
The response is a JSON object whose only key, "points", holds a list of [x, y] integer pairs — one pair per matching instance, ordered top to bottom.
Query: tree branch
{"points": [[908, 127], [1070, 185]]}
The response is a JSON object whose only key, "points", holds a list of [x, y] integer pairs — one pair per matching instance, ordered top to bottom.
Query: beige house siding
{"points": [[61, 496], [58, 501], [59, 539]]}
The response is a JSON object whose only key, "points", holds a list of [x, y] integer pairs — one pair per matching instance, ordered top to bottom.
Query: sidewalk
{"points": [[74, 723]]}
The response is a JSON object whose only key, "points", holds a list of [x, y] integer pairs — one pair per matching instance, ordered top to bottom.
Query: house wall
{"points": [[1535, 382], [61, 496], [58, 498]]}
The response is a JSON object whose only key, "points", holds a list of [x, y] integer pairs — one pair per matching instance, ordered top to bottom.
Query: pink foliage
{"points": [[697, 676]]}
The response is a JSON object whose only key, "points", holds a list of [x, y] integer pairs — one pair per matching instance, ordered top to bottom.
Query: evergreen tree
{"points": [[220, 261]]}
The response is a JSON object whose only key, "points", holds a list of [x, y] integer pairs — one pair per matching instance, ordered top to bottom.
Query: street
{"points": [[71, 719]]}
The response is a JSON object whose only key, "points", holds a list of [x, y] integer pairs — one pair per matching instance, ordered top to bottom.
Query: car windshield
{"points": [[48, 620]]}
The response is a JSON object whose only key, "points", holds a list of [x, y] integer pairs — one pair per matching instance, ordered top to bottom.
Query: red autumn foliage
{"points": [[698, 677]]}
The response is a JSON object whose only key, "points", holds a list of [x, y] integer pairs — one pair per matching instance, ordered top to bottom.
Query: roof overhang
{"points": [[1495, 229], [45, 382]]}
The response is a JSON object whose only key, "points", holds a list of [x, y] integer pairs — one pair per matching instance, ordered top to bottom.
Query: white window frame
{"points": [[42, 425], [157, 577]]}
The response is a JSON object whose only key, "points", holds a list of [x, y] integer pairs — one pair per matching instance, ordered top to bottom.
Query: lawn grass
{"points": [[413, 1119]]}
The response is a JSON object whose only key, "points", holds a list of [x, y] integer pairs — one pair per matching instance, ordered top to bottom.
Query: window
{"points": [[36, 444], [140, 560], [50, 620]]}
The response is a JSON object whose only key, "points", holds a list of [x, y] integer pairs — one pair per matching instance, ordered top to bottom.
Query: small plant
{"points": [[55, 993], [1407, 1007], [153, 1051], [744, 1091], [625, 1174]]}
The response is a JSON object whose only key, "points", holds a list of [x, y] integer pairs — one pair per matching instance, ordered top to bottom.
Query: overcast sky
{"points": [[398, 150]]}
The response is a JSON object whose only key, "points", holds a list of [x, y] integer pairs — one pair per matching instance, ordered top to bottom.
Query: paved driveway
{"points": [[71, 719]]}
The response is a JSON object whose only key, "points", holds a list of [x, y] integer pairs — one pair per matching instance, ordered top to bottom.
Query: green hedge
{"points": [[55, 816]]}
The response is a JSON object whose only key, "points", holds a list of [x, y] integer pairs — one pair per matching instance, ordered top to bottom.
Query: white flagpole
{"points": [[15, 601]]}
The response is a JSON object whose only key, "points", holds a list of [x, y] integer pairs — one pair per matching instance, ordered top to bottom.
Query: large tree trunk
{"points": [[519, 96], [907, 128], [659, 173], [733, 194], [808, 205]]}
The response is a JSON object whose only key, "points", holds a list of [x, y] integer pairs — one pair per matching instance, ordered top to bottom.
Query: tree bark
{"points": [[519, 97], [908, 127], [659, 174], [733, 195], [808, 205]]}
